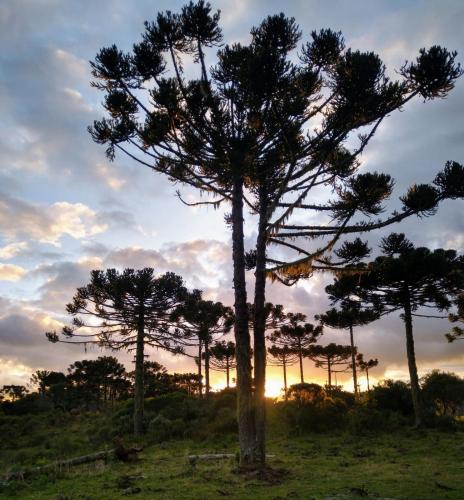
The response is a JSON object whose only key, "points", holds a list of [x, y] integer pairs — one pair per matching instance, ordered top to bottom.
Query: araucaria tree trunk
{"points": [[259, 331], [300, 356], [353, 362], [284, 364], [207, 369], [329, 373], [200, 383], [138, 385], [415, 388], [246, 430]]}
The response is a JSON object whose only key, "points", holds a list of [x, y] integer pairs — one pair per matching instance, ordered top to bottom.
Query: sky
{"points": [[65, 210]]}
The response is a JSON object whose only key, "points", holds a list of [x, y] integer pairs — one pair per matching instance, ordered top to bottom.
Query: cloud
{"points": [[120, 215], [47, 223], [13, 250], [10, 272], [61, 281], [25, 348]]}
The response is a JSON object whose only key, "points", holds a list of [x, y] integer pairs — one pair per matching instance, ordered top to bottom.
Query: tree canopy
{"points": [[266, 125], [408, 278], [126, 310]]}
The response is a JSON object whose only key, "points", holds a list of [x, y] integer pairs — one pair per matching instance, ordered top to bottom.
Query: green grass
{"points": [[406, 465]]}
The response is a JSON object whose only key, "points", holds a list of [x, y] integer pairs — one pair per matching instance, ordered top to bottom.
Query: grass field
{"points": [[406, 465]]}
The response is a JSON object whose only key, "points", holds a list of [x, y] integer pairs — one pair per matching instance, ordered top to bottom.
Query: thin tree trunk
{"points": [[259, 331], [300, 355], [353, 363], [207, 369], [227, 371], [329, 372], [367, 376], [285, 378], [200, 383], [138, 385], [415, 388], [245, 416]]}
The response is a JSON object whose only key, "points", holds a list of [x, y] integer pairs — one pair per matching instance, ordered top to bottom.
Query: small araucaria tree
{"points": [[262, 128], [406, 279], [126, 311], [349, 315], [202, 322], [296, 336], [285, 357], [332, 357], [223, 358], [366, 365]]}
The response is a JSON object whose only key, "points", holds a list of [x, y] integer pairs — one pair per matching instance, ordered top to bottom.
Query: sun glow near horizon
{"points": [[274, 388]]}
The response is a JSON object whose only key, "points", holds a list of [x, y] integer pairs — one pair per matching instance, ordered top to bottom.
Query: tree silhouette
{"points": [[345, 90], [244, 124], [406, 278], [132, 309], [349, 315], [204, 321], [457, 332], [297, 336], [283, 356], [331, 357], [223, 358], [366, 365], [45, 379], [156, 379], [97, 380], [187, 382], [443, 391], [13, 392]]}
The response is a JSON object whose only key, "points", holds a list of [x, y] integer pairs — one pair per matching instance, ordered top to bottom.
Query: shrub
{"points": [[443, 392], [306, 393], [392, 395], [311, 417], [364, 419], [224, 422], [161, 428]]}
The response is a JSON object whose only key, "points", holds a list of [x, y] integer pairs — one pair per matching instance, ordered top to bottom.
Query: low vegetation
{"points": [[321, 447]]}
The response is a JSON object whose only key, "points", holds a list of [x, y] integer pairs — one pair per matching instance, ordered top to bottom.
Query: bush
{"points": [[443, 392], [306, 393], [392, 395], [227, 398], [171, 401], [311, 417], [364, 419], [224, 422], [446, 423], [161, 428]]}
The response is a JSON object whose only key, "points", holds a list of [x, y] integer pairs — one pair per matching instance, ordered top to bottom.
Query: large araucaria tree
{"points": [[243, 130], [408, 279], [126, 310]]}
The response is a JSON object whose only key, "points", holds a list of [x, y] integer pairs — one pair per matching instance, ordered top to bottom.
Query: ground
{"points": [[406, 465]]}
